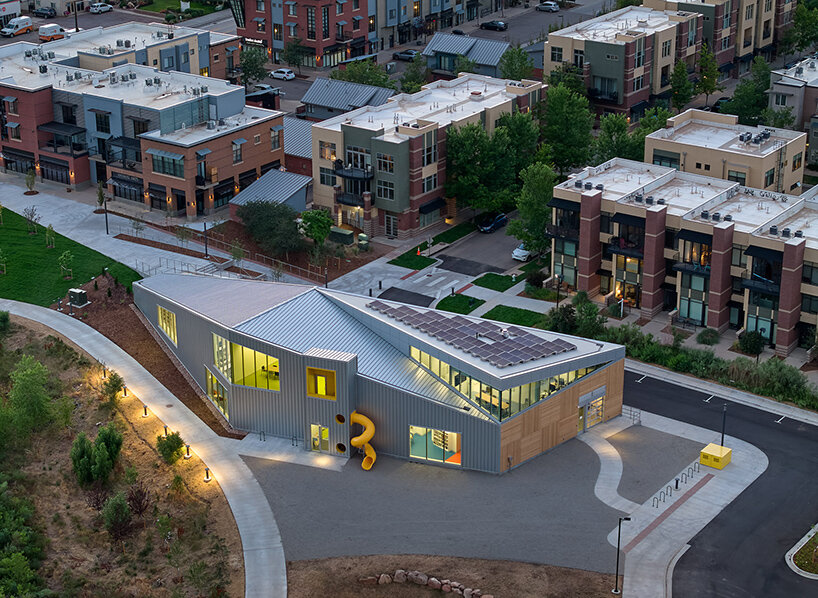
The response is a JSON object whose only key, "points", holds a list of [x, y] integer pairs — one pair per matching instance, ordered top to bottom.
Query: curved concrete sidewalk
{"points": [[606, 488], [265, 568]]}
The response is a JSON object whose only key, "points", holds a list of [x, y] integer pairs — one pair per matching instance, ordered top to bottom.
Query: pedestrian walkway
{"points": [[661, 527], [264, 564]]}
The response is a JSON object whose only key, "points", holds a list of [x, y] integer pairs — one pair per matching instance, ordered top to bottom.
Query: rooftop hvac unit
{"points": [[160, 35], [170, 35], [119, 43], [127, 43], [101, 50], [28, 53], [51, 54], [812, 65], [43, 68], [799, 70], [77, 75], [132, 76], [69, 77], [112, 78], [123, 78], [157, 81], [149, 82], [204, 88], [196, 91], [221, 122], [211, 124], [766, 134], [578, 184], [589, 186], [600, 187], [638, 198], [649, 200], [661, 201], [705, 214], [716, 217], [728, 218], [773, 230], [785, 233], [799, 233]]}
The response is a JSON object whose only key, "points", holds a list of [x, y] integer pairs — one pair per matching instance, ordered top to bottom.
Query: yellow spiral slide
{"points": [[364, 438]]}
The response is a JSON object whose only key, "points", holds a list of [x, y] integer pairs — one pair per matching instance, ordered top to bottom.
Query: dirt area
{"points": [[229, 231], [169, 247], [113, 316], [188, 522], [338, 577]]}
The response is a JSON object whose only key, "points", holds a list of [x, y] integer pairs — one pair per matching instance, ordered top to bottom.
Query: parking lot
{"points": [[481, 253]]}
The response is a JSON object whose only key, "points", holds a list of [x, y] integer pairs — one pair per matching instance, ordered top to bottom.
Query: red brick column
{"points": [[368, 227], [589, 256], [653, 263], [721, 283], [789, 297]]}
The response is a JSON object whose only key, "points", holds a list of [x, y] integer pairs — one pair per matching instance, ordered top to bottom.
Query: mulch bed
{"points": [[169, 247], [114, 318], [642, 321], [669, 330], [810, 366]]}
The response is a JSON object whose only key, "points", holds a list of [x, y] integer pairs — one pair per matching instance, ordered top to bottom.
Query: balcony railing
{"points": [[343, 36], [233, 70], [606, 96], [75, 149], [125, 164], [350, 172], [204, 182], [350, 199], [561, 232], [622, 246], [691, 268], [761, 286]]}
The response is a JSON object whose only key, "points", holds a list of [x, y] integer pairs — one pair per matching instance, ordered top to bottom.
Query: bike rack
{"points": [[684, 477], [669, 489], [662, 496], [656, 502]]}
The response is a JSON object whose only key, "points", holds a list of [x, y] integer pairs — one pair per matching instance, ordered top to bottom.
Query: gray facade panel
{"points": [[59, 97]]}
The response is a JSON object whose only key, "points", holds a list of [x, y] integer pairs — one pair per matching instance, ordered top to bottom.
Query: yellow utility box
{"points": [[714, 455]]}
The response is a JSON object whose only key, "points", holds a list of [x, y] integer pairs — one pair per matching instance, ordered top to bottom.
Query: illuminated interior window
{"points": [[167, 323], [244, 366], [321, 383], [217, 394], [434, 445]]}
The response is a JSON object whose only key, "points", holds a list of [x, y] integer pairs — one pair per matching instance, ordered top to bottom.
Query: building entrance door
{"points": [[590, 414], [319, 438]]}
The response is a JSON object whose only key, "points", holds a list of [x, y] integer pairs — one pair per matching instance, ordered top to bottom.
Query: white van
{"points": [[17, 26], [51, 32]]}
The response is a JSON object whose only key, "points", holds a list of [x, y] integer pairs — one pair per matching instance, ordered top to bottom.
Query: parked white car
{"points": [[100, 7], [548, 7], [285, 74], [521, 253]]}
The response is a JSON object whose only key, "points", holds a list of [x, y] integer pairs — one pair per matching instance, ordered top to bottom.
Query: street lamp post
{"points": [[76, 26], [105, 209], [204, 221], [559, 284], [723, 423], [616, 589]]}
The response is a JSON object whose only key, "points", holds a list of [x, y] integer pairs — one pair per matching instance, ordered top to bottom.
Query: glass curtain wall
{"points": [[244, 366], [217, 394], [500, 404], [434, 445]]}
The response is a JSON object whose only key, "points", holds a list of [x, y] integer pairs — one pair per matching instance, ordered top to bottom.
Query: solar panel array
{"points": [[501, 347]]}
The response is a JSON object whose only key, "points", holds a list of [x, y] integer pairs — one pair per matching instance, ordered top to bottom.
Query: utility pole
{"points": [[76, 26]]}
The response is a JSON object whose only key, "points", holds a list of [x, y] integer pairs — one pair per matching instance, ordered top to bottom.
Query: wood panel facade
{"points": [[554, 421]]}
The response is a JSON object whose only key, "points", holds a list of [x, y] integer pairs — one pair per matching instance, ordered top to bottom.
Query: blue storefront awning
{"points": [[239, 141], [163, 154]]}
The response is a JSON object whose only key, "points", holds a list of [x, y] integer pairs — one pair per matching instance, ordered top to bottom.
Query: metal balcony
{"points": [[350, 172], [350, 199], [561, 232], [621, 246]]}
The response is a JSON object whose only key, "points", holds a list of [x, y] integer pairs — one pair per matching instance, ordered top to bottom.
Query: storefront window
{"points": [[167, 323], [244, 366], [217, 394], [434, 445]]}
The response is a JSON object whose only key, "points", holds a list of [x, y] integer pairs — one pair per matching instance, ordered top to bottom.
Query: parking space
{"points": [[481, 253]]}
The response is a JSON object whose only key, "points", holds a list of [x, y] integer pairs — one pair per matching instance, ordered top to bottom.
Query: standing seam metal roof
{"points": [[482, 51], [344, 95], [298, 137], [275, 186], [332, 327]]}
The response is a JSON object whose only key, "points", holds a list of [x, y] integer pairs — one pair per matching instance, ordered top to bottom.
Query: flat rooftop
{"points": [[632, 21], [804, 72], [442, 102], [698, 131], [199, 133], [618, 177], [749, 209], [802, 217]]}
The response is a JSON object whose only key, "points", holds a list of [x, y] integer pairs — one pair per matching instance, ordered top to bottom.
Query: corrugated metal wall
{"points": [[393, 411]]}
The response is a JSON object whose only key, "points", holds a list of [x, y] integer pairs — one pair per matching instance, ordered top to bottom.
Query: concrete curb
{"points": [[724, 392], [790, 556]]}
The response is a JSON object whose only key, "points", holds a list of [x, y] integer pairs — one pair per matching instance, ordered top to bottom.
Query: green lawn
{"points": [[175, 6], [811, 179], [413, 261], [535, 265], [33, 273], [495, 282], [542, 293], [459, 304], [514, 315]]}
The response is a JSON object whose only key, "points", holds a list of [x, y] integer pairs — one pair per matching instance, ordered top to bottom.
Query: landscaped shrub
{"points": [[535, 279], [580, 298], [561, 319], [5, 322], [708, 336], [751, 343], [112, 387], [170, 447], [95, 461], [117, 516], [21, 545]]}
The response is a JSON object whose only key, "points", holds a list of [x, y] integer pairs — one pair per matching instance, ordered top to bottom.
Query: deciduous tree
{"points": [[803, 33], [294, 52], [253, 60], [516, 64], [464, 65], [364, 71], [708, 74], [415, 75], [570, 76], [681, 87], [750, 98], [567, 127], [614, 139], [532, 207], [316, 225], [272, 226], [28, 398]]}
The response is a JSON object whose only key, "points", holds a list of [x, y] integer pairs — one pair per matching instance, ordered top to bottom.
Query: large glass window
{"points": [[430, 147], [386, 163], [169, 166], [327, 176], [737, 176], [696, 253], [167, 323], [221, 356], [253, 368], [321, 383], [217, 393], [501, 404], [434, 445]]}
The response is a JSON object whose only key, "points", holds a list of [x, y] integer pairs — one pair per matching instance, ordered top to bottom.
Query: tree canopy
{"points": [[803, 33], [293, 53], [253, 60], [516, 64], [464, 65], [364, 71], [708, 74], [415, 75], [570, 76], [681, 87], [750, 98], [567, 127], [523, 135], [532, 207], [317, 225], [272, 226]]}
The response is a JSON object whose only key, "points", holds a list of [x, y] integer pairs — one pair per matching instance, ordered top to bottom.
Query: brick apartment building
{"points": [[330, 32], [627, 56], [797, 88], [174, 141], [715, 145], [381, 169], [709, 251]]}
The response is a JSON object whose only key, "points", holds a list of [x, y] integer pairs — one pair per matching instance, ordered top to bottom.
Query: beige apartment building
{"points": [[627, 55], [797, 88], [715, 145], [381, 169]]}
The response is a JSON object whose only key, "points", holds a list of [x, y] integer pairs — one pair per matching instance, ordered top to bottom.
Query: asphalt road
{"points": [[85, 20], [481, 253], [740, 554]]}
